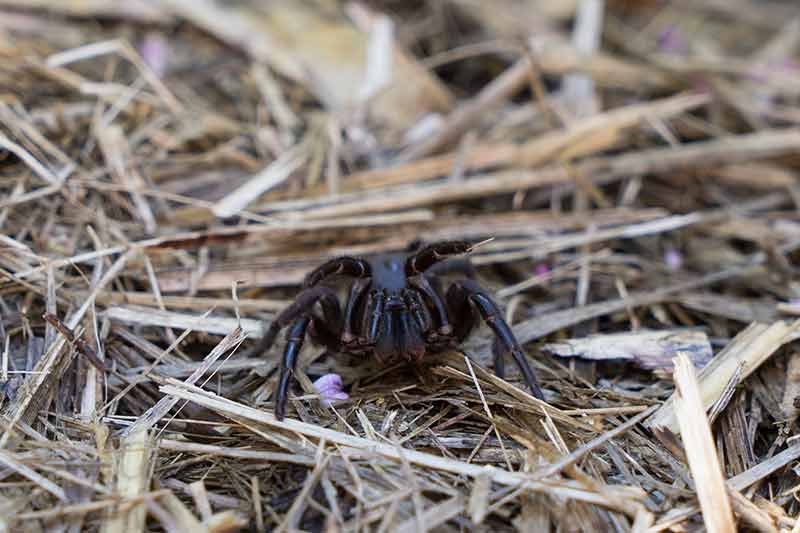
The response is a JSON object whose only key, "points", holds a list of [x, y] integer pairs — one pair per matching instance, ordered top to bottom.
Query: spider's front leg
{"points": [[429, 256], [341, 266], [459, 296], [302, 305], [299, 315], [320, 332], [295, 336]]}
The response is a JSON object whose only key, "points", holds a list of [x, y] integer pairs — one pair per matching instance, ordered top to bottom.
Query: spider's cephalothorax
{"points": [[396, 308]]}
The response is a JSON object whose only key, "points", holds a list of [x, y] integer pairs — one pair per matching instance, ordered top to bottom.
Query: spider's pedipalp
{"points": [[426, 289], [357, 292], [418, 310], [375, 312]]}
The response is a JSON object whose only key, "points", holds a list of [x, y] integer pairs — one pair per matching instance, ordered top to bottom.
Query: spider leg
{"points": [[435, 253], [347, 266], [423, 284], [356, 293], [301, 305], [331, 311], [375, 311], [419, 311], [461, 312], [366, 316], [320, 333], [505, 337], [435, 340], [294, 342], [499, 358]]}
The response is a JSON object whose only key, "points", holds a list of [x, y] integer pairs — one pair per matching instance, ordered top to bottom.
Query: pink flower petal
{"points": [[672, 40], [154, 49], [673, 258], [330, 390]]}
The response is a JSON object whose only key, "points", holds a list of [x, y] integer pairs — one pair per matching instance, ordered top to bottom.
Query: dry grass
{"points": [[169, 171]]}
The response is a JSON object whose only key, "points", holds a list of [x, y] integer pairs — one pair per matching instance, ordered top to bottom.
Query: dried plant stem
{"points": [[742, 356], [701, 453], [612, 498]]}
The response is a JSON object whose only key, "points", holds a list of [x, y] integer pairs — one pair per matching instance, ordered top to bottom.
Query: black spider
{"points": [[396, 308]]}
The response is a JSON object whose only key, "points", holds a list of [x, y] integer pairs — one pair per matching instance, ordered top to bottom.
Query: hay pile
{"points": [[169, 171]]}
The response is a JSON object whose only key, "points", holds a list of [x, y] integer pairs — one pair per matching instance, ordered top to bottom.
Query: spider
{"points": [[396, 308]]}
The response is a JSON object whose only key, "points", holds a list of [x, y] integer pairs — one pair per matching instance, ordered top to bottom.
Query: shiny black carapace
{"points": [[396, 308]]}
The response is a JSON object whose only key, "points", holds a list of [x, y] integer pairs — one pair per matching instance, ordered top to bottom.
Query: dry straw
{"points": [[630, 169]]}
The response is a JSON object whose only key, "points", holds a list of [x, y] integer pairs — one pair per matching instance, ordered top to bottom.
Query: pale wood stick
{"points": [[700, 450]]}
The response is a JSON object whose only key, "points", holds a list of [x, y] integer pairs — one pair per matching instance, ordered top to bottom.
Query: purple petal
{"points": [[672, 40], [154, 49], [673, 258], [329, 381], [330, 390]]}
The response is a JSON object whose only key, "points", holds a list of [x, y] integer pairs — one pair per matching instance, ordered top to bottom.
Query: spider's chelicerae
{"points": [[396, 308]]}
